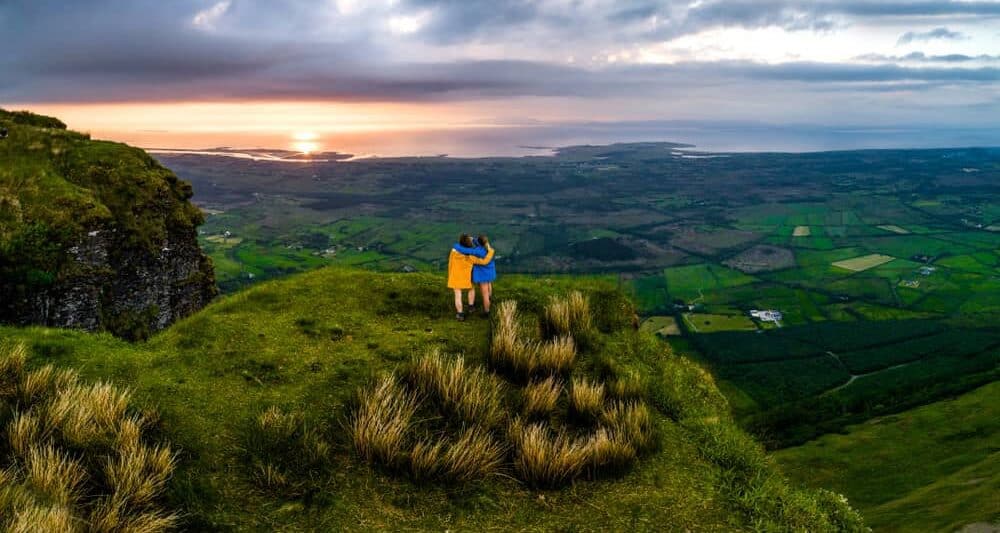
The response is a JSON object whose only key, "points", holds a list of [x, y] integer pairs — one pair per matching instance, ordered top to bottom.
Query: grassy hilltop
{"points": [[94, 234], [293, 353]]}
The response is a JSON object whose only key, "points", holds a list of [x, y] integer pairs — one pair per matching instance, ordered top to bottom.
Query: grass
{"points": [[860, 264], [214, 374], [470, 393], [540, 397], [586, 400], [380, 425], [76, 454], [929, 468]]}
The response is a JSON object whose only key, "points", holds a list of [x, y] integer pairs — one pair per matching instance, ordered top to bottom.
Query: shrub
{"points": [[469, 393], [540, 397], [586, 400], [381, 423], [78, 455]]}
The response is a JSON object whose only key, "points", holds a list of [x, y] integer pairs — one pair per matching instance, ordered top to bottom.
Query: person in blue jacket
{"points": [[483, 275]]}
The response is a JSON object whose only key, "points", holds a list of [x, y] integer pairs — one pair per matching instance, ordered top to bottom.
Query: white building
{"points": [[768, 315]]}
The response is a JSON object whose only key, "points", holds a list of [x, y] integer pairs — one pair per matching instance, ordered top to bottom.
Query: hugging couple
{"points": [[471, 262]]}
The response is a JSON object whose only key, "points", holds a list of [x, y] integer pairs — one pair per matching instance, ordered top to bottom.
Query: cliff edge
{"points": [[94, 235]]}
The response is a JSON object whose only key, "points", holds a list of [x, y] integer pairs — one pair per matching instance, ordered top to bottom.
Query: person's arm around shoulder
{"points": [[465, 250], [484, 260]]}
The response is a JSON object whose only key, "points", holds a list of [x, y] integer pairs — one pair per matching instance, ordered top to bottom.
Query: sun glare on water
{"points": [[305, 142]]}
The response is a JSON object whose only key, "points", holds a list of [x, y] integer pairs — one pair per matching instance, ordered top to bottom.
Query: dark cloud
{"points": [[935, 34], [118, 50]]}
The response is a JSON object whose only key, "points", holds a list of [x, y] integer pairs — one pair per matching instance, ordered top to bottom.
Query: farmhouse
{"points": [[769, 315]]}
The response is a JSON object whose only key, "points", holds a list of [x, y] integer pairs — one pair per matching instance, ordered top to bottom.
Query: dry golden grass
{"points": [[567, 316], [556, 319], [556, 356], [627, 387], [470, 393], [540, 397], [586, 400], [631, 420], [382, 421], [68, 440], [609, 450], [475, 455], [545, 459], [52, 473], [43, 519]]}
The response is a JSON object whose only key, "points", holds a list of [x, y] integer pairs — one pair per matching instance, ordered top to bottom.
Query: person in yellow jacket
{"points": [[460, 262]]}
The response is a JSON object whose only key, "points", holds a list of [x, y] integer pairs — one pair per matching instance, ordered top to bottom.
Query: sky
{"points": [[184, 72]]}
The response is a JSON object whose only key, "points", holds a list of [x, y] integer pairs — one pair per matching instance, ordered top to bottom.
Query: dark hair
{"points": [[483, 239], [465, 240]]}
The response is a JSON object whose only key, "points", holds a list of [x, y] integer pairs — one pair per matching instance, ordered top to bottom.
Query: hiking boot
{"points": [[470, 309], [460, 317]]}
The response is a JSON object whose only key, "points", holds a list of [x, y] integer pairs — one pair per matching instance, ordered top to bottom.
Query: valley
{"points": [[888, 259]]}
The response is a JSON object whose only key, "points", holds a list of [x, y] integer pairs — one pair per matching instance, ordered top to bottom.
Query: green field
{"points": [[705, 323], [933, 468]]}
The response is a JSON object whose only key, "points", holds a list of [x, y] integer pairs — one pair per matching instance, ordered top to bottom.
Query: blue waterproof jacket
{"points": [[480, 273]]}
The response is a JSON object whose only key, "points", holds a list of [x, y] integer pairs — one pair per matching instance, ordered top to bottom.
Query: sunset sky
{"points": [[186, 68]]}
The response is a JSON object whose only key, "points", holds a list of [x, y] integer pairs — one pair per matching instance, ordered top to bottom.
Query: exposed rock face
{"points": [[94, 235], [130, 291]]}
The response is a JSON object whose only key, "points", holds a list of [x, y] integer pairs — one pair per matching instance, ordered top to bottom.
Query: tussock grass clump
{"points": [[568, 316], [556, 318], [508, 351], [511, 352], [556, 356], [627, 386], [470, 393], [540, 397], [586, 400], [382, 421], [631, 421], [609, 450], [474, 455], [78, 456], [542, 458]]}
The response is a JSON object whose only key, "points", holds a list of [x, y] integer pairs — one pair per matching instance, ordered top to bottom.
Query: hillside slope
{"points": [[94, 234], [307, 343], [936, 467]]}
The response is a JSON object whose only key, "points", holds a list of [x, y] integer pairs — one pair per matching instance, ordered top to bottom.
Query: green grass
{"points": [[689, 283], [707, 323], [306, 344], [933, 468]]}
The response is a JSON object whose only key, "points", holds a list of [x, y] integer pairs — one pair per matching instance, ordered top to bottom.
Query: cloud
{"points": [[206, 18], [936, 33], [471, 50], [920, 57]]}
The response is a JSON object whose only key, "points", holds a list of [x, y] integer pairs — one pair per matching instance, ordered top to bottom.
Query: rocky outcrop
{"points": [[95, 235], [130, 291]]}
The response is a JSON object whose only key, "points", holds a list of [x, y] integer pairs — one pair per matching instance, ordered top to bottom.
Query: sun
{"points": [[305, 142]]}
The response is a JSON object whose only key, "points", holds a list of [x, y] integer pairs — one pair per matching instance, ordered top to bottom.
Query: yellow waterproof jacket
{"points": [[460, 268]]}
